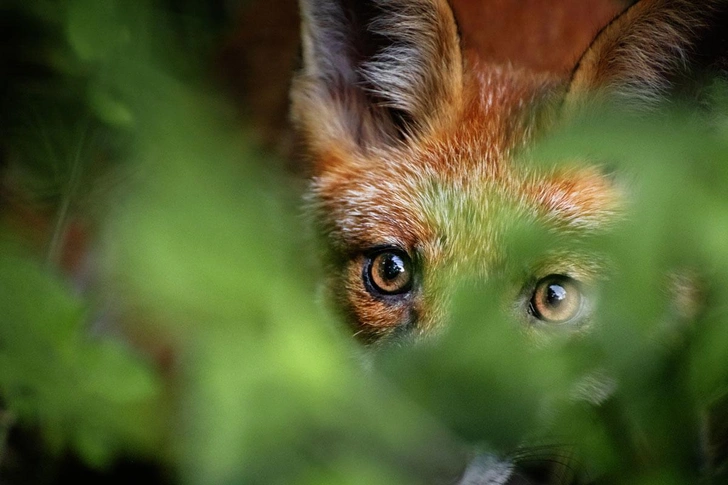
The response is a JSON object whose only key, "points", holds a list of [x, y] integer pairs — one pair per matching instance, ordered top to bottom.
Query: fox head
{"points": [[413, 147]]}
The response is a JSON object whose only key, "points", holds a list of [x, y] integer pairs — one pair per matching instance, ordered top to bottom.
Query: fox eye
{"points": [[389, 272], [556, 299]]}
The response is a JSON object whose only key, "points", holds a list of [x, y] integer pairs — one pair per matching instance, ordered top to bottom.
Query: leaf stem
{"points": [[59, 230]]}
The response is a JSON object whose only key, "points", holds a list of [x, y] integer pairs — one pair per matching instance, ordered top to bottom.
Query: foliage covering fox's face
{"points": [[417, 152]]}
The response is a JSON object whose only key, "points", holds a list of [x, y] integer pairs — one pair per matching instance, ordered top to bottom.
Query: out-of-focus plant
{"points": [[195, 253]]}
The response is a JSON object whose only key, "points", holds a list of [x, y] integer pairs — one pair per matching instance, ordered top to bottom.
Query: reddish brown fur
{"points": [[542, 35]]}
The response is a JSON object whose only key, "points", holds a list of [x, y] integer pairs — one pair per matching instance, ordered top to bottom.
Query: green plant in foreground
{"points": [[195, 246]]}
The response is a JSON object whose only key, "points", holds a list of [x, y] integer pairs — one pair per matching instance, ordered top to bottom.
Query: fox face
{"points": [[418, 153]]}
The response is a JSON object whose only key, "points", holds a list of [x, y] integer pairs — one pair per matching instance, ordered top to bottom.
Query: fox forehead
{"points": [[442, 194], [404, 200]]}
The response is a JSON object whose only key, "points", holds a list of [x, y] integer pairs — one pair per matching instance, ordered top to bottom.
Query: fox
{"points": [[410, 141]]}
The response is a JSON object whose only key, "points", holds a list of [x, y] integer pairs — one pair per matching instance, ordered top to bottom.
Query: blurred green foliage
{"points": [[198, 252], [92, 395]]}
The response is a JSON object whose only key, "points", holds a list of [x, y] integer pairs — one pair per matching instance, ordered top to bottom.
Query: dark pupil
{"points": [[391, 267], [555, 295]]}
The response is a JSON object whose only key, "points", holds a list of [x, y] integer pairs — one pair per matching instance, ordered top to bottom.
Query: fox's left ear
{"points": [[655, 50]]}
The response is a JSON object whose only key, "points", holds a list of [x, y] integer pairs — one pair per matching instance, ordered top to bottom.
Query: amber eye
{"points": [[390, 272], [556, 299]]}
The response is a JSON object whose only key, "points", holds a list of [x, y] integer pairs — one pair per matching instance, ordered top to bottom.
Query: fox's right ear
{"points": [[655, 50], [375, 72]]}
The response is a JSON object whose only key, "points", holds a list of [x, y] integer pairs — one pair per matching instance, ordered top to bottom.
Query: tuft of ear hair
{"points": [[655, 50], [376, 71]]}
